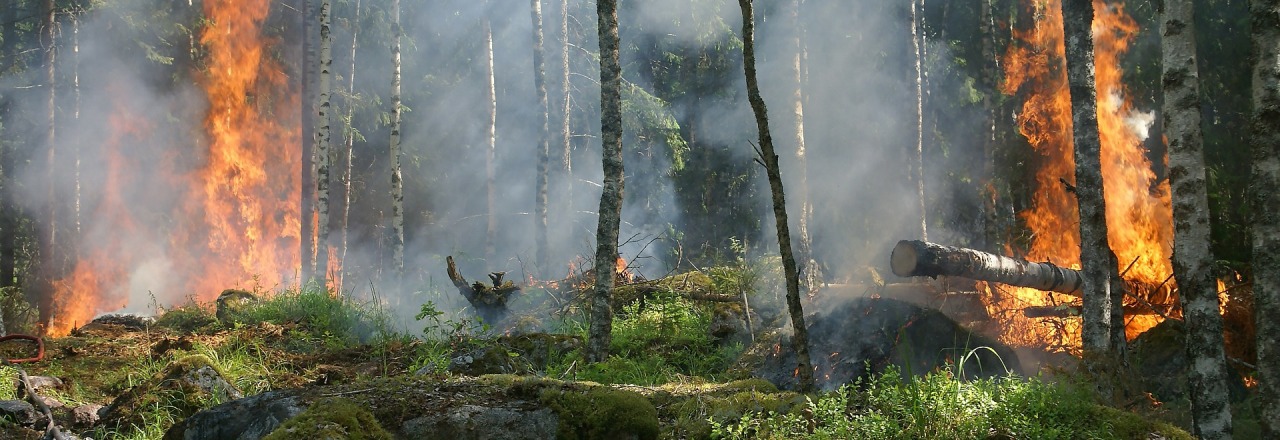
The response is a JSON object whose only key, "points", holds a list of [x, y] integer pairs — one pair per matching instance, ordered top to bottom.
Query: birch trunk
{"points": [[1077, 20], [566, 113], [544, 134], [1265, 139], [323, 142], [490, 151], [917, 154], [348, 156], [397, 185], [307, 205], [610, 211], [812, 275], [800, 339]]}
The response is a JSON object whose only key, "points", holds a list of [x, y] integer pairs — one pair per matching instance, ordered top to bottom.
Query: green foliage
{"points": [[19, 315], [187, 318], [317, 318], [442, 337], [940, 406], [601, 413], [331, 419]]}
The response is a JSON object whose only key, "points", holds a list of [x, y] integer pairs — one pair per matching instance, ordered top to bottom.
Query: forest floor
{"points": [[307, 361]]}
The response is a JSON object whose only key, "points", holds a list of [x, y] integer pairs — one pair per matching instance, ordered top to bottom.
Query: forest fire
{"points": [[1139, 217], [235, 224]]}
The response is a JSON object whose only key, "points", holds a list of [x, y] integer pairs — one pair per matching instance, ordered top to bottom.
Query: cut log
{"points": [[914, 258]]}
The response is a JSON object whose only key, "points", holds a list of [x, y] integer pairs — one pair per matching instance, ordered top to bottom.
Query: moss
{"points": [[190, 318], [174, 393], [602, 413], [688, 416], [331, 419], [1129, 425]]}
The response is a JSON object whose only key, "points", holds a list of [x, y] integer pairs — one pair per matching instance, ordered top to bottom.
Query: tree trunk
{"points": [[1077, 21], [990, 86], [75, 116], [566, 129], [544, 139], [1265, 139], [323, 143], [490, 151], [917, 154], [348, 156], [397, 185], [307, 204], [610, 211], [49, 248], [914, 258], [1192, 260], [812, 274], [800, 340]]}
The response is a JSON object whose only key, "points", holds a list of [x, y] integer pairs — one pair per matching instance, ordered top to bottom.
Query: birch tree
{"points": [[544, 139], [1265, 140], [323, 141], [490, 151], [348, 153], [917, 153], [397, 184], [307, 205], [610, 211], [1095, 254], [1192, 260], [812, 275], [800, 338]]}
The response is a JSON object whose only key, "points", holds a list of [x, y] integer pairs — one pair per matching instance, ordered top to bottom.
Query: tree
{"points": [[566, 115], [544, 134], [1265, 140], [323, 142], [490, 151], [347, 153], [917, 154], [397, 183], [307, 205], [610, 211], [49, 237], [1095, 254], [1192, 260], [812, 274], [800, 340]]}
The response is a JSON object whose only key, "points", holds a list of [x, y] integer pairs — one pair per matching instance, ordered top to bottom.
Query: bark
{"points": [[1077, 20], [990, 86], [75, 116], [566, 128], [324, 140], [1265, 140], [544, 142], [490, 152], [917, 153], [348, 156], [397, 184], [307, 205], [610, 211], [8, 233], [49, 237], [913, 258], [1192, 260], [812, 274], [800, 339]]}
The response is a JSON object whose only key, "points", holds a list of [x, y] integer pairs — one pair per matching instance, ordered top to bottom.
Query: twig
{"points": [[1131, 263], [347, 393]]}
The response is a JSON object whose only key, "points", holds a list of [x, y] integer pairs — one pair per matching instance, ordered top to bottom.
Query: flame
{"points": [[1139, 214], [237, 222], [620, 270]]}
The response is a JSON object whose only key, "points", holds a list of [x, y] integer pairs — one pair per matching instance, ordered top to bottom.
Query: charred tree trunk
{"points": [[1077, 21], [1265, 140], [324, 141], [544, 142], [490, 151], [397, 183], [610, 211], [914, 258], [1192, 260], [800, 340]]}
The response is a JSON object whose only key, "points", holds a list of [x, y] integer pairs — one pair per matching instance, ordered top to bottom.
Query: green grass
{"points": [[938, 406]]}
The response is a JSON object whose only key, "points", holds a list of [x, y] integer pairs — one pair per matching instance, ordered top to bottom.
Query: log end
{"points": [[904, 259]]}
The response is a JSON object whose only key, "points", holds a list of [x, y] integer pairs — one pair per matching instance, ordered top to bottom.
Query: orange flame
{"points": [[1139, 215], [238, 223]]}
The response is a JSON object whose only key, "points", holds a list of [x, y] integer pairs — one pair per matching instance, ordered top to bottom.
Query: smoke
{"points": [[140, 133]]}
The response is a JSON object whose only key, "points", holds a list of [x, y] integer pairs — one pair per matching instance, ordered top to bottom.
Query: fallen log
{"points": [[914, 258], [1071, 310]]}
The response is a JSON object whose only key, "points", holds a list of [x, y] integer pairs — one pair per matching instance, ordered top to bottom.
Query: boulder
{"points": [[187, 385], [21, 413], [85, 416], [249, 418], [335, 419], [515, 421]]}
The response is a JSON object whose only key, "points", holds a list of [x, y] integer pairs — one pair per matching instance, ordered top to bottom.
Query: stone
{"points": [[20, 412], [85, 416], [250, 418], [474, 422]]}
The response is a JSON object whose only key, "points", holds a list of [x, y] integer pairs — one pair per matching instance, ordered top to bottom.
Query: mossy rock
{"points": [[232, 303], [190, 318], [186, 386], [685, 409], [601, 412], [335, 419]]}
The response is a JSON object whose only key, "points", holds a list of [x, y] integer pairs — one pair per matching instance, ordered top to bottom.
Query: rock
{"points": [[231, 302], [131, 321], [860, 337], [1160, 360], [481, 361], [39, 383], [187, 385], [21, 413], [85, 416], [249, 418], [331, 419], [468, 422]]}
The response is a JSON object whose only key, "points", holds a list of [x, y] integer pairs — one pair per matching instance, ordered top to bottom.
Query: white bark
{"points": [[323, 142], [397, 184]]}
